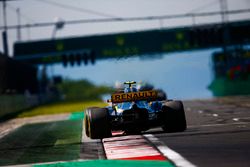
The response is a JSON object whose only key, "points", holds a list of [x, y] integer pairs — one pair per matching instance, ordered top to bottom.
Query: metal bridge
{"points": [[91, 48]]}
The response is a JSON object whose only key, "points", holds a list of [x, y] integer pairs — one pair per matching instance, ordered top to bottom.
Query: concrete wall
{"points": [[14, 103]]}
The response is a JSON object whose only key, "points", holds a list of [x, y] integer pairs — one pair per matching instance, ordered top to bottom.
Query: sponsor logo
{"points": [[133, 96]]}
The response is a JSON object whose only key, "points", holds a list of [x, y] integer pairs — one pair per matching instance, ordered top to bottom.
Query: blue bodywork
{"points": [[152, 107], [140, 111]]}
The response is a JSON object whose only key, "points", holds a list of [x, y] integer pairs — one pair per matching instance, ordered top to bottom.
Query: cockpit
{"points": [[130, 89]]}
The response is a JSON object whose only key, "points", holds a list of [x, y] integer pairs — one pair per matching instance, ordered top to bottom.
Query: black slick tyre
{"points": [[173, 117], [86, 120], [99, 126]]}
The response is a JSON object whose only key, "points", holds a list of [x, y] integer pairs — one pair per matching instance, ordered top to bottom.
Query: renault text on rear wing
{"points": [[133, 96]]}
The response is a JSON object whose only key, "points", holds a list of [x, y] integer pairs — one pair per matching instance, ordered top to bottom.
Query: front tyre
{"points": [[173, 115], [99, 125]]}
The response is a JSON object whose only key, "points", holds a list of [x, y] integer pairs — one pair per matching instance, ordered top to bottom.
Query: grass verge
{"points": [[61, 107]]}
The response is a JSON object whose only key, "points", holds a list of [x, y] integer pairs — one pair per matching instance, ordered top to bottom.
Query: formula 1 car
{"points": [[134, 111]]}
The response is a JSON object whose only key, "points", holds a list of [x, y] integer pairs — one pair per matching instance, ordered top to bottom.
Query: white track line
{"points": [[175, 157]]}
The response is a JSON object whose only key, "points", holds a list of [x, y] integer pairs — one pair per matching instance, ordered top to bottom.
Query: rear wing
{"points": [[133, 96]]}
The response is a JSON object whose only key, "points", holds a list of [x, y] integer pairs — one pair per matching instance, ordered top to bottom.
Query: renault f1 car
{"points": [[134, 111]]}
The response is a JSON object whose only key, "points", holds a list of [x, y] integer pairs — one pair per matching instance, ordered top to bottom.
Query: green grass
{"points": [[62, 107], [42, 142]]}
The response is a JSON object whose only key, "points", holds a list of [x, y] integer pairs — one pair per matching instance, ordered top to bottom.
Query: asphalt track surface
{"points": [[218, 134]]}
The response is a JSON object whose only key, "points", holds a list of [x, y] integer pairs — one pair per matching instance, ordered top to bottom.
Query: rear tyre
{"points": [[161, 95], [174, 119], [86, 121], [98, 123]]}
